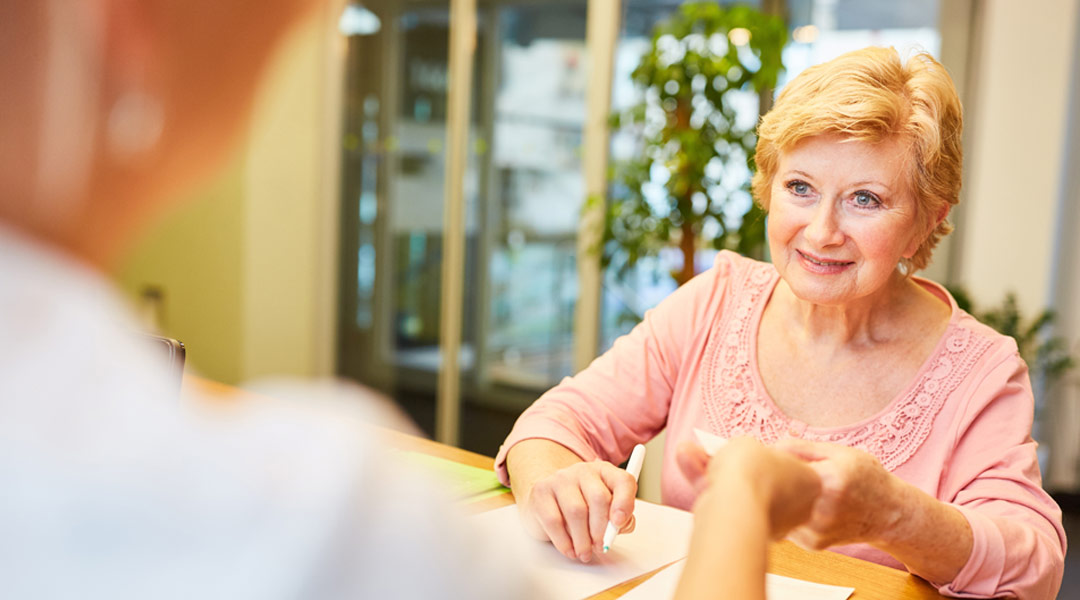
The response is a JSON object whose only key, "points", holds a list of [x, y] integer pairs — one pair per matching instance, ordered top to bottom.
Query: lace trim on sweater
{"points": [[735, 406]]}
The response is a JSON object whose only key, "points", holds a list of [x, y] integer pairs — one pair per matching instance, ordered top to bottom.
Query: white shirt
{"points": [[113, 486]]}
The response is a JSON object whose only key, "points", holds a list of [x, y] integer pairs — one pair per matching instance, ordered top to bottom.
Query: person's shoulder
{"points": [[731, 263], [729, 267], [730, 275], [967, 333], [997, 344], [988, 359]]}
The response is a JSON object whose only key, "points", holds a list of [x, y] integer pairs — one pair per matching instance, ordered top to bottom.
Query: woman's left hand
{"points": [[857, 501]]}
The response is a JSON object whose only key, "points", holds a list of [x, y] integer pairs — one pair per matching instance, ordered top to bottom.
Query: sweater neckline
{"points": [[754, 327]]}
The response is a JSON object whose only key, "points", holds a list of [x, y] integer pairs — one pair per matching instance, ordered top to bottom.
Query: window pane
{"points": [[825, 29], [539, 113], [523, 189], [392, 203]]}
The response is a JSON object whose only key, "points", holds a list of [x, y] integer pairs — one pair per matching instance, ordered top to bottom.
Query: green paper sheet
{"points": [[465, 482]]}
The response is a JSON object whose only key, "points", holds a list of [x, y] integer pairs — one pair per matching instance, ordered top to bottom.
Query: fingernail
{"points": [[618, 518], [585, 556]]}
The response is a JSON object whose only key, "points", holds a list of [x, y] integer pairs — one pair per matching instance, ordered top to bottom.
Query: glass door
{"points": [[394, 149], [523, 190]]}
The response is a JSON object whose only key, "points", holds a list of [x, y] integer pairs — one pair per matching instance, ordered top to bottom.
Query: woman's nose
{"points": [[823, 230]]}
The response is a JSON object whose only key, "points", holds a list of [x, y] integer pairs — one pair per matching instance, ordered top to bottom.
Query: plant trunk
{"points": [[683, 110], [688, 247]]}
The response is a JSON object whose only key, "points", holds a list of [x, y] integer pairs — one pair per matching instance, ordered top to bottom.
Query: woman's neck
{"points": [[874, 319]]}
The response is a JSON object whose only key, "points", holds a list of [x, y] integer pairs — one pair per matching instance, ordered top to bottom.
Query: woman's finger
{"points": [[804, 449], [693, 461], [831, 474], [623, 490], [796, 495], [598, 497], [545, 511], [575, 512], [806, 537]]}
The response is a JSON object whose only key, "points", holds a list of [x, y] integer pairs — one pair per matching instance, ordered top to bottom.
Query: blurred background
{"points": [[320, 250]]}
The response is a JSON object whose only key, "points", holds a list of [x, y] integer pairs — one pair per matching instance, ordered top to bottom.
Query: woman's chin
{"points": [[817, 291]]}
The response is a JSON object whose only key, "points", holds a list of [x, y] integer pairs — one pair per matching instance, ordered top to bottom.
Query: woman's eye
{"points": [[800, 188], [866, 200]]}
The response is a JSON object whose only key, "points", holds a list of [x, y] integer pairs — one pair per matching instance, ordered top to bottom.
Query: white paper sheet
{"points": [[661, 536], [777, 587]]}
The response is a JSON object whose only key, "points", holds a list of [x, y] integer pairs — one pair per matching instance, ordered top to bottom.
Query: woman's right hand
{"points": [[571, 505]]}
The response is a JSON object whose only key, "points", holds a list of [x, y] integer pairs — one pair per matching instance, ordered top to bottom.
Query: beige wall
{"points": [[1015, 158], [1016, 181], [290, 228], [195, 258], [247, 268], [1061, 420]]}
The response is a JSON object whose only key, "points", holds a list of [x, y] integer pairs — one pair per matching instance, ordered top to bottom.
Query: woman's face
{"points": [[841, 217]]}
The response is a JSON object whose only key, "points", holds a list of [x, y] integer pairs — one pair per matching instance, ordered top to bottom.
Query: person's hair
{"points": [[872, 95]]}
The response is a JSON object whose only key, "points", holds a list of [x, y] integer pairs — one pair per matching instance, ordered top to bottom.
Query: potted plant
{"points": [[698, 64], [1047, 355]]}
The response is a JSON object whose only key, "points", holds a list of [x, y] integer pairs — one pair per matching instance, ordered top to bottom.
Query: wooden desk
{"points": [[871, 581]]}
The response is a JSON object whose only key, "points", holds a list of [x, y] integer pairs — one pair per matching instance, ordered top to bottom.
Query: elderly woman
{"points": [[916, 416]]}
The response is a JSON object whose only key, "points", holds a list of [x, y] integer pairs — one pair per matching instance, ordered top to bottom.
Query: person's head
{"points": [[873, 96], [111, 107]]}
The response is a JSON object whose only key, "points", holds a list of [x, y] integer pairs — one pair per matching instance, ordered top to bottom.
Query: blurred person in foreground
{"points": [[916, 416], [112, 487]]}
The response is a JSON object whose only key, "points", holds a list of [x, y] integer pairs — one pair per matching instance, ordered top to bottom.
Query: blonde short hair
{"points": [[872, 95]]}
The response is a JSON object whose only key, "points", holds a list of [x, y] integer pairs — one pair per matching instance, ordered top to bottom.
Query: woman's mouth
{"points": [[822, 265]]}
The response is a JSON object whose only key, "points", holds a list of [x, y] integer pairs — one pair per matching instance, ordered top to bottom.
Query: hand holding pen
{"points": [[633, 467], [572, 505]]}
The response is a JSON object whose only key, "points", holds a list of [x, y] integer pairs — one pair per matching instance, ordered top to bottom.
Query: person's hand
{"points": [[693, 461], [782, 484], [751, 494], [857, 498], [572, 506]]}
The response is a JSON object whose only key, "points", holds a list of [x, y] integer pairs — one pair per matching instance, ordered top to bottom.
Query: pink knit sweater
{"points": [[960, 431]]}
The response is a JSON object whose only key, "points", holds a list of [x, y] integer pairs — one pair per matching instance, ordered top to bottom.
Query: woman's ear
{"points": [[943, 213], [917, 240]]}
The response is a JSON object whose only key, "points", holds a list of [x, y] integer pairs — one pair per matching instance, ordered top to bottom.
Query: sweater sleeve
{"points": [[623, 397], [1018, 539]]}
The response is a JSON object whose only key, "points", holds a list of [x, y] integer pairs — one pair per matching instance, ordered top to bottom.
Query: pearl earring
{"points": [[134, 126]]}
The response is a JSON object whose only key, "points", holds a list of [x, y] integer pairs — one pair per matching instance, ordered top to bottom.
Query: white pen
{"points": [[633, 467]]}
